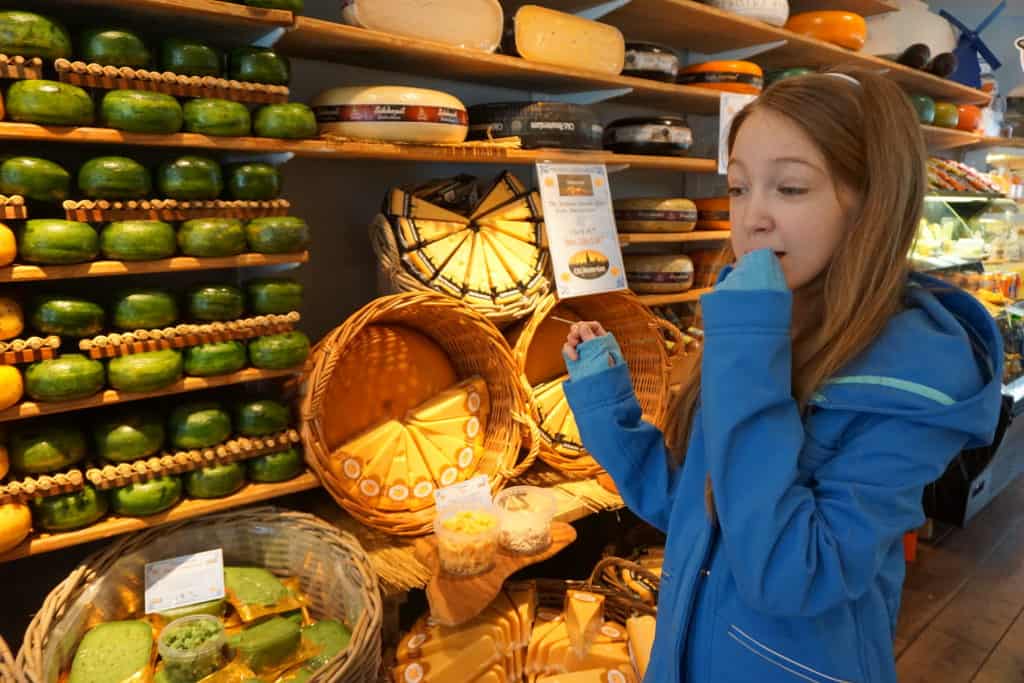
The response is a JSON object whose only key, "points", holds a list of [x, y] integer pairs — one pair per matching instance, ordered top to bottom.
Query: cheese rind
{"points": [[475, 24], [552, 37], [664, 214], [658, 273]]}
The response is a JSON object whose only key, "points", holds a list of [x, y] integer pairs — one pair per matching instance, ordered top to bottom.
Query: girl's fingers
{"points": [[570, 351]]}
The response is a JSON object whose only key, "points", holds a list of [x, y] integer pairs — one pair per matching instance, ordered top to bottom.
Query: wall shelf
{"points": [[865, 8], [939, 139], [627, 238], [27, 273], [690, 296]]}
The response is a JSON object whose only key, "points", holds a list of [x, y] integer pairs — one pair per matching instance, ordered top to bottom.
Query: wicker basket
{"points": [[397, 279], [639, 334], [474, 346], [332, 568], [620, 603], [9, 671]]}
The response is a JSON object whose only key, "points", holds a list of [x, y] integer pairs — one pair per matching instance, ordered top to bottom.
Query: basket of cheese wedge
{"points": [[483, 248], [537, 346], [414, 392], [301, 604]]}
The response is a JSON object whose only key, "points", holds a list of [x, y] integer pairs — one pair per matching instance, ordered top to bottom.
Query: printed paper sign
{"points": [[729, 106], [585, 253], [474, 492], [183, 581]]}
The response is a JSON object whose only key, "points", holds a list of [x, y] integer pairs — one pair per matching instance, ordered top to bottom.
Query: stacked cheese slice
{"points": [[491, 258], [556, 420], [397, 465]]}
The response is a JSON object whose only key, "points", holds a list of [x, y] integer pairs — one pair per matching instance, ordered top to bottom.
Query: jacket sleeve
{"points": [[632, 451], [796, 550]]}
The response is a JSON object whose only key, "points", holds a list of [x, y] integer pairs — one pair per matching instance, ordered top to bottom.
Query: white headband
{"points": [[847, 77]]}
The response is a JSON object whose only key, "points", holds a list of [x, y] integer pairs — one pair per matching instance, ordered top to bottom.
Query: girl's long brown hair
{"points": [[870, 136]]}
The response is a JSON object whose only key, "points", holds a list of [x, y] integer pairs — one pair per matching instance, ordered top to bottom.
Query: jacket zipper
{"points": [[691, 592]]}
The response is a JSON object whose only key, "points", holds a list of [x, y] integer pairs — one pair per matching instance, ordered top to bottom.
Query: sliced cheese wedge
{"points": [[505, 189], [404, 204], [525, 207], [524, 232], [414, 233], [427, 262], [453, 276], [503, 285], [349, 463], [441, 463], [420, 478], [396, 490], [584, 615], [641, 641], [600, 656], [450, 665], [591, 676]]}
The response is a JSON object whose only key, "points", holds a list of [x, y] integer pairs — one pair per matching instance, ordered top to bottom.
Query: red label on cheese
{"points": [[390, 112], [655, 215]]}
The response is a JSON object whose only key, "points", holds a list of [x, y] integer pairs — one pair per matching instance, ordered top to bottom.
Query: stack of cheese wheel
{"points": [[713, 213], [655, 214], [489, 257], [707, 264], [658, 273], [537, 345], [413, 393]]}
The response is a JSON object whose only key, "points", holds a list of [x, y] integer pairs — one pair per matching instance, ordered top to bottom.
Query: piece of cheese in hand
{"points": [[476, 24], [552, 37], [584, 614]]}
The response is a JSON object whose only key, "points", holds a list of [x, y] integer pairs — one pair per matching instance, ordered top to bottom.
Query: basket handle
{"points": [[679, 342], [531, 456], [618, 562]]}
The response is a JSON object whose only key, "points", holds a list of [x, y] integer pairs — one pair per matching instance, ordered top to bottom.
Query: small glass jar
{"points": [[524, 519], [467, 539], [192, 648]]}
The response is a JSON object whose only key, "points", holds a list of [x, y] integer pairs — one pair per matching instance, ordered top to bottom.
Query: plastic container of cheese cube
{"points": [[524, 519], [467, 538]]}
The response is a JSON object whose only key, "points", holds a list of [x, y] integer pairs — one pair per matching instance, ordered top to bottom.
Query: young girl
{"points": [[834, 386]]}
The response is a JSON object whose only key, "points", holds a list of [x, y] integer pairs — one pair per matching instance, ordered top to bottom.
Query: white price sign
{"points": [[729, 106], [584, 244], [183, 581]]}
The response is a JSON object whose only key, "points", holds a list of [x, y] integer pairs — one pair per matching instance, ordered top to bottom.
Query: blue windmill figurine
{"points": [[970, 46]]}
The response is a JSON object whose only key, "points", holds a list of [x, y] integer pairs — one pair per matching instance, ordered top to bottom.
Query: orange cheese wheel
{"points": [[844, 29], [730, 76], [970, 117], [713, 213]]}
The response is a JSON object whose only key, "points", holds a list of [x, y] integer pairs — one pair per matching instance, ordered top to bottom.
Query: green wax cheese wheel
{"points": [[290, 5], [26, 34], [115, 47], [187, 57], [259, 65], [783, 74], [49, 103], [925, 108], [140, 111], [946, 115], [215, 117], [293, 120], [34, 178], [114, 178], [190, 178], [254, 182], [277, 234], [212, 237], [138, 240], [53, 241], [269, 296], [212, 303], [144, 309], [67, 316], [279, 351], [218, 358], [143, 372], [64, 378], [262, 418], [199, 424], [129, 436], [44, 447], [276, 467], [217, 481], [147, 497], [69, 511], [254, 586], [214, 608], [330, 636], [267, 644], [113, 652]]}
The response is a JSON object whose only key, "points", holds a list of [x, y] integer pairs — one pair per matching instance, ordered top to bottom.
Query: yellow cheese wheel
{"points": [[654, 214], [8, 246], [659, 273], [12, 321], [385, 371], [11, 387], [5, 461], [15, 525]]}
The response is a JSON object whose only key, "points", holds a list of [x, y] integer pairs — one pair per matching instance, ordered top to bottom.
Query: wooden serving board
{"points": [[455, 600]]}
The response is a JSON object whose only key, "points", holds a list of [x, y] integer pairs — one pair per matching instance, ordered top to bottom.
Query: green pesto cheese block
{"points": [[142, 372], [126, 436], [42, 447], [275, 467], [216, 481], [144, 498], [69, 510], [254, 586], [214, 608], [330, 636], [268, 643], [113, 652]]}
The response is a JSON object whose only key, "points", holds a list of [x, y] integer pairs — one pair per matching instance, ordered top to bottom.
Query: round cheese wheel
{"points": [[774, 12], [844, 29], [646, 60], [729, 76], [391, 114], [537, 124], [666, 136], [713, 213], [666, 214], [658, 273]]}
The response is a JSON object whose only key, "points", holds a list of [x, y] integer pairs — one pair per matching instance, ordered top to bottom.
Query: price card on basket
{"points": [[729, 105], [585, 253], [475, 492], [183, 581]]}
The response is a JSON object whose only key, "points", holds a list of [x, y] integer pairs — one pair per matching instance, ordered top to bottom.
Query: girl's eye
{"points": [[736, 191], [792, 191]]}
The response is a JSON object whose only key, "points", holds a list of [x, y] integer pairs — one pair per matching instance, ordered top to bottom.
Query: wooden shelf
{"points": [[865, 8], [211, 13], [701, 28], [333, 42], [939, 139], [1016, 143], [469, 154], [627, 238], [26, 273], [691, 296], [108, 397], [38, 544]]}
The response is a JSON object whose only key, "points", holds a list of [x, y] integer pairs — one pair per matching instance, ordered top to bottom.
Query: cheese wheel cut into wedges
{"points": [[475, 24]]}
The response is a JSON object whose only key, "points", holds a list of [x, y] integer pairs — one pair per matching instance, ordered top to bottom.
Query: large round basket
{"points": [[397, 279], [641, 336], [473, 345], [331, 566], [9, 671]]}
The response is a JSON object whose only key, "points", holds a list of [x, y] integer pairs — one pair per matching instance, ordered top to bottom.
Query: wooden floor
{"points": [[963, 602]]}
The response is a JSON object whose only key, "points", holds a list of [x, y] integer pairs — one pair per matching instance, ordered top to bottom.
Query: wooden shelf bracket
{"points": [[603, 9], [742, 53], [581, 97]]}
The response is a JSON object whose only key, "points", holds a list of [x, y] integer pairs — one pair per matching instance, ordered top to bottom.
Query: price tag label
{"points": [[729, 106], [584, 244], [471, 493], [183, 581]]}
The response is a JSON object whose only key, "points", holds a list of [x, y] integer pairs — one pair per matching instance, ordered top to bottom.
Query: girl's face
{"points": [[783, 197]]}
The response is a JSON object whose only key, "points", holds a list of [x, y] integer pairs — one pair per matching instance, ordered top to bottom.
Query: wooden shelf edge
{"points": [[224, 13], [939, 139], [1000, 142], [627, 238], [25, 273], [680, 298], [27, 409], [38, 544]]}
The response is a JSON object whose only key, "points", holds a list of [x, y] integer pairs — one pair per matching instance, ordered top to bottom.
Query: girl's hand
{"points": [[579, 333]]}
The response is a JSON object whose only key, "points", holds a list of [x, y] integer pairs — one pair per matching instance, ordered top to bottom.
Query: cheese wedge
{"points": [[505, 189], [407, 205], [526, 207], [524, 232], [414, 233], [430, 261], [453, 276], [502, 285], [449, 429], [348, 462], [442, 464], [420, 478], [395, 489], [584, 615], [546, 621], [427, 639], [641, 641], [600, 655], [456, 665], [591, 676]]}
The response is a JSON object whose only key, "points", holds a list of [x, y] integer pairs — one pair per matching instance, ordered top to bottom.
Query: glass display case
{"points": [[957, 231]]}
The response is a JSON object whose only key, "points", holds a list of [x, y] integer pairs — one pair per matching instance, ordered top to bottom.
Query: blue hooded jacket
{"points": [[800, 580]]}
